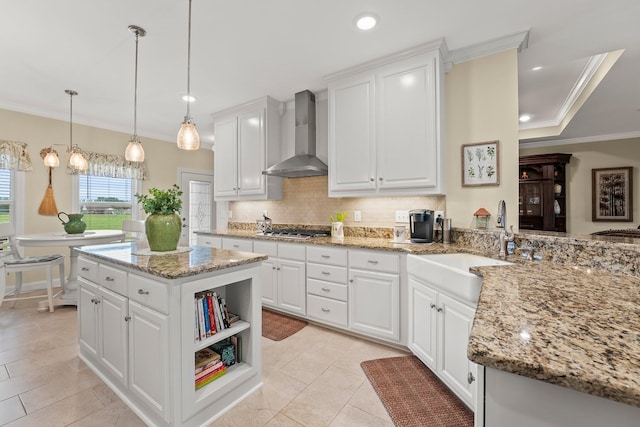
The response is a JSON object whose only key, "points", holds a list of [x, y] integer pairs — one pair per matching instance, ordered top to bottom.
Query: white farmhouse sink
{"points": [[450, 274]]}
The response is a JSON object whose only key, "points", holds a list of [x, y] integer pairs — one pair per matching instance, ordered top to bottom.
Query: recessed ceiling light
{"points": [[366, 21], [536, 68], [188, 98], [525, 118]]}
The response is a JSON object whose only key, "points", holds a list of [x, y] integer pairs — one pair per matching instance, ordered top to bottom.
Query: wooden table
{"points": [[69, 293]]}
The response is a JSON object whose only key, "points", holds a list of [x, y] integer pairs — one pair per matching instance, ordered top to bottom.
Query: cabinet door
{"points": [[407, 131], [251, 154], [226, 160], [352, 161], [269, 282], [292, 288], [374, 304], [88, 318], [423, 322], [112, 326], [149, 357], [455, 368]]}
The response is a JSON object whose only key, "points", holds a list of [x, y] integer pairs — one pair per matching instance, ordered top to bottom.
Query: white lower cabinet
{"points": [[210, 241], [283, 276], [327, 286], [374, 294], [439, 329], [137, 334]]}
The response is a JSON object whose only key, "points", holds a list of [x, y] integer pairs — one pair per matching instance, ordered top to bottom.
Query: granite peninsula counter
{"points": [[577, 327], [137, 329]]}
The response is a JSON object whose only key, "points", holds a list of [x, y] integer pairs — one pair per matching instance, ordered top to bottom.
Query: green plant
{"points": [[164, 202], [340, 216]]}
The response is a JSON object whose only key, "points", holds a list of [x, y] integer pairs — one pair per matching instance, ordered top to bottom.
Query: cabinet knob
{"points": [[371, 179], [380, 179], [236, 246], [326, 256], [372, 261], [273, 268], [278, 268], [84, 269], [326, 273], [109, 279], [350, 280], [326, 289], [143, 292], [94, 300], [433, 305], [439, 309], [326, 310], [127, 318], [470, 378]]}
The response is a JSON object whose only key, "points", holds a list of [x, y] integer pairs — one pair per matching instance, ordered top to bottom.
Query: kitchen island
{"points": [[570, 321], [137, 330]]}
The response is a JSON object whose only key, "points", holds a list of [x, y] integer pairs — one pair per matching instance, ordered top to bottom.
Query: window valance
{"points": [[14, 156], [110, 165]]}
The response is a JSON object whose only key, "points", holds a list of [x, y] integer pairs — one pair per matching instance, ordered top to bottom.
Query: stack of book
{"points": [[211, 315], [209, 366]]}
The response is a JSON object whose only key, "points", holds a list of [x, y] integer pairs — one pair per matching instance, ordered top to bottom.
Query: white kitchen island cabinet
{"points": [[388, 114], [247, 142], [137, 328]]}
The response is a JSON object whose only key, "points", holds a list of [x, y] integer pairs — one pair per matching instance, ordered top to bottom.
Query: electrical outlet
{"points": [[230, 214], [357, 216], [402, 216]]}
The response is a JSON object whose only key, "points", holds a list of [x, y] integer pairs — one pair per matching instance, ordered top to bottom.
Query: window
{"points": [[6, 195], [106, 202]]}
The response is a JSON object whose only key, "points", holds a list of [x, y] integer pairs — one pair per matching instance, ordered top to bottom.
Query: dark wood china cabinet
{"points": [[542, 200]]}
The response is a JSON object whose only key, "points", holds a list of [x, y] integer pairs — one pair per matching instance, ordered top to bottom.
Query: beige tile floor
{"points": [[312, 378]]}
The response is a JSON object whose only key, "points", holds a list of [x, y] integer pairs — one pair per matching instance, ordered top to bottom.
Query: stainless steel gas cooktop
{"points": [[295, 233]]}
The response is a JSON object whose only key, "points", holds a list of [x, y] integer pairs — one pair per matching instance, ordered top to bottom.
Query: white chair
{"points": [[136, 229], [13, 261]]}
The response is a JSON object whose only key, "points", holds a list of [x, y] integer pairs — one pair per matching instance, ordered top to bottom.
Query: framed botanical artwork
{"points": [[480, 164], [612, 194]]}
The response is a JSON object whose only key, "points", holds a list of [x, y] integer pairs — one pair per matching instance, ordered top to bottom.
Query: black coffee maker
{"points": [[421, 225]]}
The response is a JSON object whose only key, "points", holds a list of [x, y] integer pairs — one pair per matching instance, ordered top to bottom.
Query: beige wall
{"points": [[482, 105], [593, 155], [162, 159]]}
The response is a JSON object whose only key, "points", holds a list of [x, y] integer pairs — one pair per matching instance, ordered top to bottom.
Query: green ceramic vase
{"points": [[163, 232]]}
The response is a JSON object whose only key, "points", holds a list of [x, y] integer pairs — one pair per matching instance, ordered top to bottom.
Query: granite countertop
{"points": [[192, 261], [571, 326], [576, 327]]}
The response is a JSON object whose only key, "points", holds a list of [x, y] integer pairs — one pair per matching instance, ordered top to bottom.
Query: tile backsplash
{"points": [[306, 201]]}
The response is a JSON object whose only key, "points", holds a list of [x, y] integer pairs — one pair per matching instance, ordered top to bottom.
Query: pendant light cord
{"points": [[189, 65], [135, 95]]}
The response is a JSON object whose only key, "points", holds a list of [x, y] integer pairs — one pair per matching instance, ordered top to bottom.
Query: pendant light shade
{"points": [[188, 138], [134, 151], [51, 159], [76, 159]]}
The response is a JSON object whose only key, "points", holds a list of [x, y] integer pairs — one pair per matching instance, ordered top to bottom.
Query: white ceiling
{"points": [[242, 50]]}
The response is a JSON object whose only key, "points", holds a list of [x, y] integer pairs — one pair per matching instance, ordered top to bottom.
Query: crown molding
{"points": [[519, 41], [581, 140]]}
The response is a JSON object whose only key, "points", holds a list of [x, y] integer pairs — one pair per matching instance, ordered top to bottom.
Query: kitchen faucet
{"points": [[505, 236]]}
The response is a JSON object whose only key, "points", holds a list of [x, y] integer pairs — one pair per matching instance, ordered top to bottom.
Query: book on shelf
{"points": [[218, 310], [205, 311], [225, 312], [211, 313], [233, 318], [203, 333], [236, 341], [205, 357], [209, 368], [211, 377]]}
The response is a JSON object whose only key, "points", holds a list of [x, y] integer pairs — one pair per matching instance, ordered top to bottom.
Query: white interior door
{"points": [[198, 207]]}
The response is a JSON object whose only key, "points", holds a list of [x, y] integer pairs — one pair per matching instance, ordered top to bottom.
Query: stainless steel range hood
{"points": [[305, 162]]}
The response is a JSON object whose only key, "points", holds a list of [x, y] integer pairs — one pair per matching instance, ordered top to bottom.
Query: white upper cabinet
{"points": [[385, 122], [247, 141]]}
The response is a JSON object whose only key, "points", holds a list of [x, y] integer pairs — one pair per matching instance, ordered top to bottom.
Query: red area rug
{"points": [[277, 327]]}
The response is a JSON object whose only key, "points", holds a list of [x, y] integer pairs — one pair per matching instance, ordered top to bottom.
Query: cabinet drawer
{"points": [[210, 241], [237, 245], [267, 248], [291, 251], [325, 255], [374, 261], [88, 269], [329, 273], [113, 279], [327, 289], [149, 292], [327, 310]]}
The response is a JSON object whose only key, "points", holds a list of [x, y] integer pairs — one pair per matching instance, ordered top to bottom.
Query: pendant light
{"points": [[188, 138], [134, 151], [51, 159], [76, 159]]}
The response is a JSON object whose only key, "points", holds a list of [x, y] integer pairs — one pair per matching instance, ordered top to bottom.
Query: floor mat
{"points": [[277, 327], [413, 395]]}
